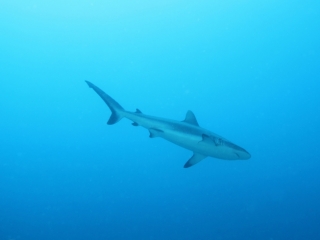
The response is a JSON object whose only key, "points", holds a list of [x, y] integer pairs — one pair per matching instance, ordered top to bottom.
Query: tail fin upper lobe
{"points": [[115, 107]]}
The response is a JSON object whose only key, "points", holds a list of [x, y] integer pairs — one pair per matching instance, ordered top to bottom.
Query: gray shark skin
{"points": [[187, 133]]}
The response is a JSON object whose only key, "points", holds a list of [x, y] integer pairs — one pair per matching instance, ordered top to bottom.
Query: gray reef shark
{"points": [[187, 133]]}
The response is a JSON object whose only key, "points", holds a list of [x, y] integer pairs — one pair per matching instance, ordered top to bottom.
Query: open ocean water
{"points": [[249, 70]]}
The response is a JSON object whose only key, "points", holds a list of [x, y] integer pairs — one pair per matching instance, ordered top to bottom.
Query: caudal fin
{"points": [[115, 107]]}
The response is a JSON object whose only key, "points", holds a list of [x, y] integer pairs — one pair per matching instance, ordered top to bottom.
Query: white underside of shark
{"points": [[187, 133]]}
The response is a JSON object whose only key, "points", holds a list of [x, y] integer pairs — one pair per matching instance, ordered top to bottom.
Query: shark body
{"points": [[187, 133]]}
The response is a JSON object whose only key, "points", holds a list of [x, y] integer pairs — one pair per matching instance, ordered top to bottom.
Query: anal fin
{"points": [[194, 160]]}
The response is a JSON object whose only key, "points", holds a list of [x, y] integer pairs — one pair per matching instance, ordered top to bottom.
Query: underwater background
{"points": [[249, 70]]}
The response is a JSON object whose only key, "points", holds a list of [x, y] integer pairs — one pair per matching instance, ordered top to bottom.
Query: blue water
{"points": [[250, 72]]}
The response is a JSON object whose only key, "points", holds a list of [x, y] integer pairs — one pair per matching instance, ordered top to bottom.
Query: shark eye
{"points": [[218, 141]]}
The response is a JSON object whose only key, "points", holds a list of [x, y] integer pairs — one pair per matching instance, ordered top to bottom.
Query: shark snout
{"points": [[239, 152], [243, 154]]}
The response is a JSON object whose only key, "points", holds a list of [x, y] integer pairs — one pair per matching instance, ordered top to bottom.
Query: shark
{"points": [[186, 133]]}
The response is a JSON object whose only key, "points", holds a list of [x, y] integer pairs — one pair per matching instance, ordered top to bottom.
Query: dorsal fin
{"points": [[138, 111], [191, 118]]}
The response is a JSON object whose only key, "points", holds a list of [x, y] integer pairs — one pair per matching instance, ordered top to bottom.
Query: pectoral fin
{"points": [[154, 132], [194, 160]]}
